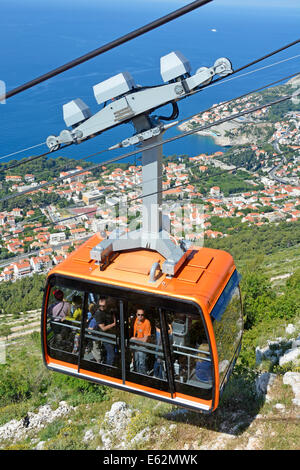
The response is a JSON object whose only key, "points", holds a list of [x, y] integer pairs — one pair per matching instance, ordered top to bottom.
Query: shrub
{"points": [[257, 295], [21, 378], [78, 391], [240, 392], [138, 422]]}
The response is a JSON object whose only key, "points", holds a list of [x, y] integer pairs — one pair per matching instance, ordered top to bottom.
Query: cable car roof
{"points": [[201, 278]]}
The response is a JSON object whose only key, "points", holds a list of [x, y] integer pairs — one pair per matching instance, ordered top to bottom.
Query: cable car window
{"points": [[225, 298], [64, 314], [228, 328], [100, 330], [145, 350], [191, 353]]}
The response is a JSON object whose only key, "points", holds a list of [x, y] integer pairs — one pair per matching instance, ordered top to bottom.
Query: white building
{"points": [[215, 191], [91, 196], [57, 237], [22, 268]]}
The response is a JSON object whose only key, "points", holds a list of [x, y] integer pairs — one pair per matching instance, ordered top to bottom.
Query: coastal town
{"points": [[197, 204]]}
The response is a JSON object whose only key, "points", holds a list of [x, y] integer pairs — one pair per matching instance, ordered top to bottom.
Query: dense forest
{"points": [[43, 168], [228, 183], [22, 295]]}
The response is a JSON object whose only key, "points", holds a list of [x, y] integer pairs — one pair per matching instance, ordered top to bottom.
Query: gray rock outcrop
{"points": [[16, 430]]}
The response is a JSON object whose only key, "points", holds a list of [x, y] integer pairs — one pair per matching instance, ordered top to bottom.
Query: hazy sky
{"points": [[173, 3], [239, 3]]}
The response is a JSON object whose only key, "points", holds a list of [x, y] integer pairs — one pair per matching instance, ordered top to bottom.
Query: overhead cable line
{"points": [[147, 28], [107, 47], [256, 61], [216, 83], [194, 92], [222, 103], [149, 147], [22, 150], [129, 154], [36, 157], [31, 159], [181, 185], [20, 225]]}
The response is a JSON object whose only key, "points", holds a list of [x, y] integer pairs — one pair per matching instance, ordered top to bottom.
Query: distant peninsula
{"points": [[250, 129], [224, 135]]}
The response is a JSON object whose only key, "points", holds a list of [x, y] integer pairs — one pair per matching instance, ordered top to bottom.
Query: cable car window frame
{"points": [[125, 294], [225, 297], [217, 313], [101, 336], [61, 354], [68, 357], [207, 392]]}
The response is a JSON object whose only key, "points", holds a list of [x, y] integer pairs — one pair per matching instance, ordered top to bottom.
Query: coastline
{"points": [[218, 134]]}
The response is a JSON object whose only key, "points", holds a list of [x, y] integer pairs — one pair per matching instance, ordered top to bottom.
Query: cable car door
{"points": [[82, 328], [101, 345], [145, 358], [191, 358]]}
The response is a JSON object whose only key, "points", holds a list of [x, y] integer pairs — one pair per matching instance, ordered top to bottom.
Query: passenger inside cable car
{"points": [[141, 334]]}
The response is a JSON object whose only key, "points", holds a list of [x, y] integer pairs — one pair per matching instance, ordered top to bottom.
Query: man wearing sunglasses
{"points": [[141, 333]]}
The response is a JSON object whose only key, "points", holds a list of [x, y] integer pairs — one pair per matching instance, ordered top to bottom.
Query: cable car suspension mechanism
{"points": [[124, 102]]}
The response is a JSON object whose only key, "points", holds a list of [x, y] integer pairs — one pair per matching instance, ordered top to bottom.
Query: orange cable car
{"points": [[136, 311], [192, 323]]}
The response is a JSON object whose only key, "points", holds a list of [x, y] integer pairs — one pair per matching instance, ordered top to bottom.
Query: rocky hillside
{"points": [[261, 411]]}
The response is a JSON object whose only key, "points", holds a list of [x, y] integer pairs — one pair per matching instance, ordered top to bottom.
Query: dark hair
{"points": [[58, 294], [77, 299]]}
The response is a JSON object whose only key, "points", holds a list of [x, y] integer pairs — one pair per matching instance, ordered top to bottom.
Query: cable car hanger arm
{"points": [[128, 102]]}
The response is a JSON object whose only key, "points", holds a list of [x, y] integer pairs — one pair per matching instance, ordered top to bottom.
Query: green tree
{"points": [[257, 295]]}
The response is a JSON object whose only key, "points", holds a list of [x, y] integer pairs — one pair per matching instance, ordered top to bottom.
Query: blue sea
{"points": [[37, 36]]}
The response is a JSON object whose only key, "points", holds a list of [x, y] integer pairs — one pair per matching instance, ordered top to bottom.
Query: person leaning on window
{"points": [[60, 309], [58, 312], [75, 319], [106, 321], [142, 333]]}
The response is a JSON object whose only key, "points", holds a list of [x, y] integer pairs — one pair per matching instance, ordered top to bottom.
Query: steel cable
{"points": [[107, 47]]}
